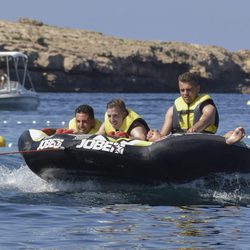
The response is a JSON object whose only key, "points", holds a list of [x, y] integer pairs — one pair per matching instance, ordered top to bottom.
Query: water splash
{"points": [[22, 179], [224, 188], [220, 189]]}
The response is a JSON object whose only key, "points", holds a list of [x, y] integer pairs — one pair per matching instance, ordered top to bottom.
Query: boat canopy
{"points": [[14, 54]]}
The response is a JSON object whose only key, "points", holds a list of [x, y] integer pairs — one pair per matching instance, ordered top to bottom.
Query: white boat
{"points": [[14, 83]]}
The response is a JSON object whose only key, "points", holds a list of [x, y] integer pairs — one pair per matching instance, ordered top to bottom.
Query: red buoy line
{"points": [[30, 151]]}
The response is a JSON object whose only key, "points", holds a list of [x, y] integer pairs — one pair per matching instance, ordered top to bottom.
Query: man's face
{"points": [[188, 91], [115, 116], [84, 123]]}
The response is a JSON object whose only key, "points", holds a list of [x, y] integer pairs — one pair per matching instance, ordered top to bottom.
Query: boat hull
{"points": [[19, 103], [174, 159]]}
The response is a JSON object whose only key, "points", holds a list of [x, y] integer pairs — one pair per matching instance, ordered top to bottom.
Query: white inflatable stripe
{"points": [[37, 135]]}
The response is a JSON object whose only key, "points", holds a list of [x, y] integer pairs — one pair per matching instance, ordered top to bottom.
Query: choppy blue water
{"points": [[206, 213]]}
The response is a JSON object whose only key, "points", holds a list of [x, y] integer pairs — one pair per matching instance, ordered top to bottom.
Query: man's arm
{"points": [[207, 118], [167, 125], [138, 132]]}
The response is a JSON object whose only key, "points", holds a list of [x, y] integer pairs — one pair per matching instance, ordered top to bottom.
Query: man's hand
{"points": [[153, 135]]}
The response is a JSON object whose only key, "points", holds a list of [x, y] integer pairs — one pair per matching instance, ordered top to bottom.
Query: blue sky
{"points": [[222, 23]]}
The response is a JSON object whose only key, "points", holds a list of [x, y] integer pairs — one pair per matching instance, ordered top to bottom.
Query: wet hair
{"points": [[189, 77], [117, 103], [86, 109]]}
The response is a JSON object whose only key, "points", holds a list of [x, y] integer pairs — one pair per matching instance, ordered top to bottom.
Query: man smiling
{"points": [[120, 119], [84, 121]]}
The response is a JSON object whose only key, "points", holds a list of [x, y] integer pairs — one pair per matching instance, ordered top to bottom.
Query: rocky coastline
{"points": [[67, 60]]}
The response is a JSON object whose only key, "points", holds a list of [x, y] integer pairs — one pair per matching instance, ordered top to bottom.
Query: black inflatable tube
{"points": [[175, 159]]}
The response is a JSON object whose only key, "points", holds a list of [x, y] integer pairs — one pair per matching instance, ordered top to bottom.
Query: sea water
{"points": [[209, 213]]}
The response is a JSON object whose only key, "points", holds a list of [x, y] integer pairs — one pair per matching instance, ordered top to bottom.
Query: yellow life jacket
{"points": [[186, 115], [126, 124], [73, 125]]}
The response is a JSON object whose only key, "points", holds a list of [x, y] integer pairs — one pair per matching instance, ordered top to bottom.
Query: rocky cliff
{"points": [[63, 59]]}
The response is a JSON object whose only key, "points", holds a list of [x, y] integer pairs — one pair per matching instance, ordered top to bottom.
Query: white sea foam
{"points": [[22, 179], [223, 189]]}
